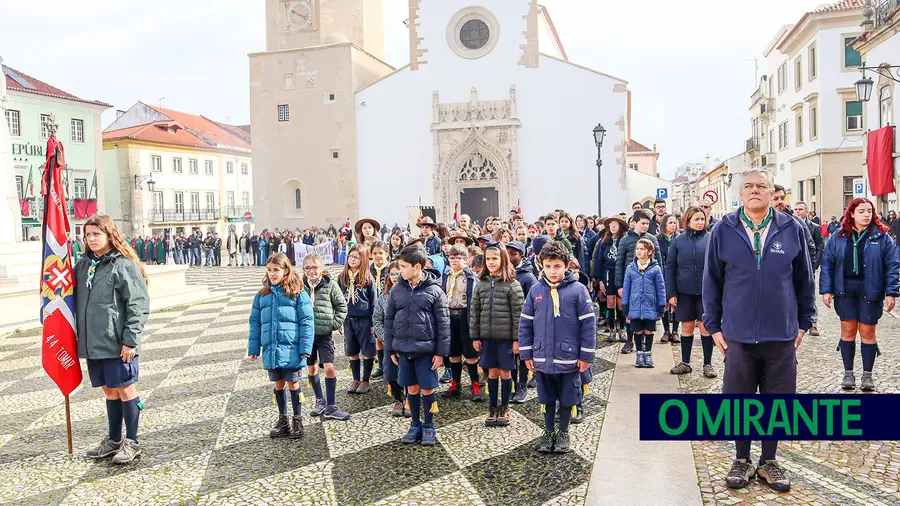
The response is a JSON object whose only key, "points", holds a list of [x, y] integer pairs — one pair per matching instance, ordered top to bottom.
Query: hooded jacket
{"points": [[625, 253], [880, 261], [684, 263], [525, 277], [644, 293], [765, 302], [329, 305], [495, 309], [114, 310], [416, 320], [283, 327], [557, 343]]}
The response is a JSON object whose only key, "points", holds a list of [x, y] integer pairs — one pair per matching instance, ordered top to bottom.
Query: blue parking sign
{"points": [[662, 193]]}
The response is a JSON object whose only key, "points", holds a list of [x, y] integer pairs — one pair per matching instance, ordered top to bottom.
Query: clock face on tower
{"points": [[298, 14]]}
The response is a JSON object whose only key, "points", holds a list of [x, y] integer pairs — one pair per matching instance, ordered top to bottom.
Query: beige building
{"points": [[642, 159]]}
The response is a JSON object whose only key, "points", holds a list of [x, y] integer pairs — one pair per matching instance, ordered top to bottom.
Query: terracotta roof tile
{"points": [[842, 5], [20, 81], [205, 129], [186, 130], [157, 131], [636, 147]]}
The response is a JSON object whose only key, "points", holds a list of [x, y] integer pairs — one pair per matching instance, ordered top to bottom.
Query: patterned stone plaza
{"points": [[208, 411]]}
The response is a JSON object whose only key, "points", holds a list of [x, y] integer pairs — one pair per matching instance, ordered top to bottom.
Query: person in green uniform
{"points": [[139, 247], [77, 249], [161, 250]]}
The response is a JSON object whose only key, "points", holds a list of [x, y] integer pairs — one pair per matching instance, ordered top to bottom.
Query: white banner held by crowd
{"points": [[324, 250]]}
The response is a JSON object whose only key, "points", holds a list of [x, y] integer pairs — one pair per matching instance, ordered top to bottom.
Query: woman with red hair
{"points": [[860, 274]]}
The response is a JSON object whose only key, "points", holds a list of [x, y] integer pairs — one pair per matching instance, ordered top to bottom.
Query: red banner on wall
{"points": [[880, 161]]}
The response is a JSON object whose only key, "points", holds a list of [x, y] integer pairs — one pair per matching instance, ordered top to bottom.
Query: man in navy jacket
{"points": [[760, 259]]}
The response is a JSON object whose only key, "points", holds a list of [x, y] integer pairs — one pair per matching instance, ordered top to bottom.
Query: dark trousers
{"points": [[770, 368]]}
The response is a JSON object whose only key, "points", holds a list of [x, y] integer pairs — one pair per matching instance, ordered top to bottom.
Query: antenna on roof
{"points": [[160, 100]]}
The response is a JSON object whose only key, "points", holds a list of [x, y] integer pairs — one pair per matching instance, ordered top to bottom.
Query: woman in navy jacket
{"points": [[668, 232], [860, 273], [604, 275]]}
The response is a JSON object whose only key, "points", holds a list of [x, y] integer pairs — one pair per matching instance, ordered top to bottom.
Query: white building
{"points": [[816, 138], [201, 172]]}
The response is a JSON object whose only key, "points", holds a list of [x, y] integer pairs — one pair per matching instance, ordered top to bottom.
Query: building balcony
{"points": [[883, 11], [752, 144], [237, 211], [159, 216]]}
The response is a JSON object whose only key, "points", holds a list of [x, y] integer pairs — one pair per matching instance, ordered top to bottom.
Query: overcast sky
{"points": [[689, 63]]}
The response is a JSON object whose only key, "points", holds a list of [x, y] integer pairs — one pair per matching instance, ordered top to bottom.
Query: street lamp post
{"points": [[865, 85], [599, 135]]}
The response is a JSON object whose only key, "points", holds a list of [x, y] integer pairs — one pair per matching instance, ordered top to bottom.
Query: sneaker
{"points": [[813, 331], [612, 337], [623, 337], [666, 337], [676, 339], [628, 348], [639, 359], [648, 360], [681, 368], [708, 371], [378, 373], [447, 376], [849, 381], [532, 383], [867, 383], [354, 385], [363, 388], [453, 391], [476, 393], [519, 396], [318, 409], [397, 409], [335, 413], [579, 415], [502, 419], [491, 420], [281, 428], [296, 429], [413, 435], [428, 438], [561, 442], [545, 444], [106, 448], [129, 451], [742, 471], [775, 476]]}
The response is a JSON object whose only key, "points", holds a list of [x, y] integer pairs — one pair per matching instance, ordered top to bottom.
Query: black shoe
{"points": [[628, 348], [378, 373], [447, 376], [519, 396], [579, 415], [281, 428], [296, 431], [561, 442], [545, 444]]}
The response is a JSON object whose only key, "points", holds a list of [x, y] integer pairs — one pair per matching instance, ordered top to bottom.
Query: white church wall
{"points": [[642, 187]]}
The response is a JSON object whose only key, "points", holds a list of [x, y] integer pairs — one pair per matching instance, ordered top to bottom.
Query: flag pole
{"points": [[68, 425]]}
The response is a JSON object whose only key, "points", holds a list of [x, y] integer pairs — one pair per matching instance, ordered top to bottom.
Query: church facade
{"points": [[488, 116]]}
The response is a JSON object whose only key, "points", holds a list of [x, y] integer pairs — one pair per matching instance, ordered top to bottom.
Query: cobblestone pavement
{"points": [[208, 411], [822, 472]]}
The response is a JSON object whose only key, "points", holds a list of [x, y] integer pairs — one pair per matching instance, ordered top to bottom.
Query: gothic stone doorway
{"points": [[479, 203]]}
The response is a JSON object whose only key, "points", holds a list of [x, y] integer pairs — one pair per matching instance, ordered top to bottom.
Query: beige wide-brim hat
{"points": [[622, 224], [358, 227], [460, 235]]}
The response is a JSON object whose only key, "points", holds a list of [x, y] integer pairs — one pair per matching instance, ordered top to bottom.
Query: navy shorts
{"points": [[853, 306], [690, 308], [642, 325], [358, 337], [460, 342], [322, 351], [497, 354], [389, 368], [416, 370], [113, 372], [282, 374], [562, 388]]}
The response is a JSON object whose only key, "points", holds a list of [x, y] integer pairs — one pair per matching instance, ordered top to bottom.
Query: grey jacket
{"points": [[329, 305], [114, 310], [378, 315]]}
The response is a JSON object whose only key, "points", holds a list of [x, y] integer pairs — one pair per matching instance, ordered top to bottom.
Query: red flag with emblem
{"points": [[455, 212], [59, 349]]}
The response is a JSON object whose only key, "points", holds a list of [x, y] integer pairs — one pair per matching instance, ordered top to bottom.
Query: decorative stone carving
{"points": [[300, 64], [312, 79]]}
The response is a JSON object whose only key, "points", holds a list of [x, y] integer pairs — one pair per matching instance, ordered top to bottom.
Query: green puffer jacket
{"points": [[329, 306], [495, 309], [114, 310]]}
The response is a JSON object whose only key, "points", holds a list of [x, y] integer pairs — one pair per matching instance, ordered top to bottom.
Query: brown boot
{"points": [[502, 416], [296, 427]]}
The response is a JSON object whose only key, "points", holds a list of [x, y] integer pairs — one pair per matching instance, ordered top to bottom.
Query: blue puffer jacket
{"points": [[880, 262], [684, 263], [525, 277], [644, 294], [417, 320], [283, 327], [557, 343]]}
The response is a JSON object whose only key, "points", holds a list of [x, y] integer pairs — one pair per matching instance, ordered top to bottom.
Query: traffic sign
{"points": [[859, 188], [662, 193], [711, 196], [734, 204], [248, 216]]}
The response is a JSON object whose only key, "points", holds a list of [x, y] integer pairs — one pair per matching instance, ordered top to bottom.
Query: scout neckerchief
{"points": [[757, 231], [857, 238], [643, 265], [92, 270], [378, 280], [451, 283], [351, 288], [554, 294]]}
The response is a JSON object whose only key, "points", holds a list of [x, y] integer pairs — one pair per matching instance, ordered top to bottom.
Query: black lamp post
{"points": [[599, 135], [138, 180]]}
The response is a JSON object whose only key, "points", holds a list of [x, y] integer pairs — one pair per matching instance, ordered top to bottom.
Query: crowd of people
{"points": [[521, 305]]}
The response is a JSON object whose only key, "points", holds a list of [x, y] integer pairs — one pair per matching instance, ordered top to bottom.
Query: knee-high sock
{"points": [[620, 315], [610, 318], [665, 321], [674, 324], [630, 334], [648, 342], [687, 342], [708, 344], [848, 353], [380, 355], [868, 356], [446, 362], [354, 368], [367, 368], [456, 371], [473, 372], [523, 373], [493, 384], [316, 386], [330, 387], [505, 390], [396, 391], [279, 400], [295, 402], [427, 402], [415, 408], [131, 411], [114, 414], [565, 415], [550, 417]]}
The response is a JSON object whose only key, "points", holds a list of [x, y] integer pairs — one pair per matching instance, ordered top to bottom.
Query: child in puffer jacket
{"points": [[644, 299], [281, 331], [389, 368]]}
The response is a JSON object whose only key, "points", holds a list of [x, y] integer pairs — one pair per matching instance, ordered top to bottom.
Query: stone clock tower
{"points": [[319, 53]]}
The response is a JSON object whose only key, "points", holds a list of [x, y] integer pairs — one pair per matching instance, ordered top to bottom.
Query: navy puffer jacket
{"points": [[880, 262], [684, 263], [417, 320]]}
